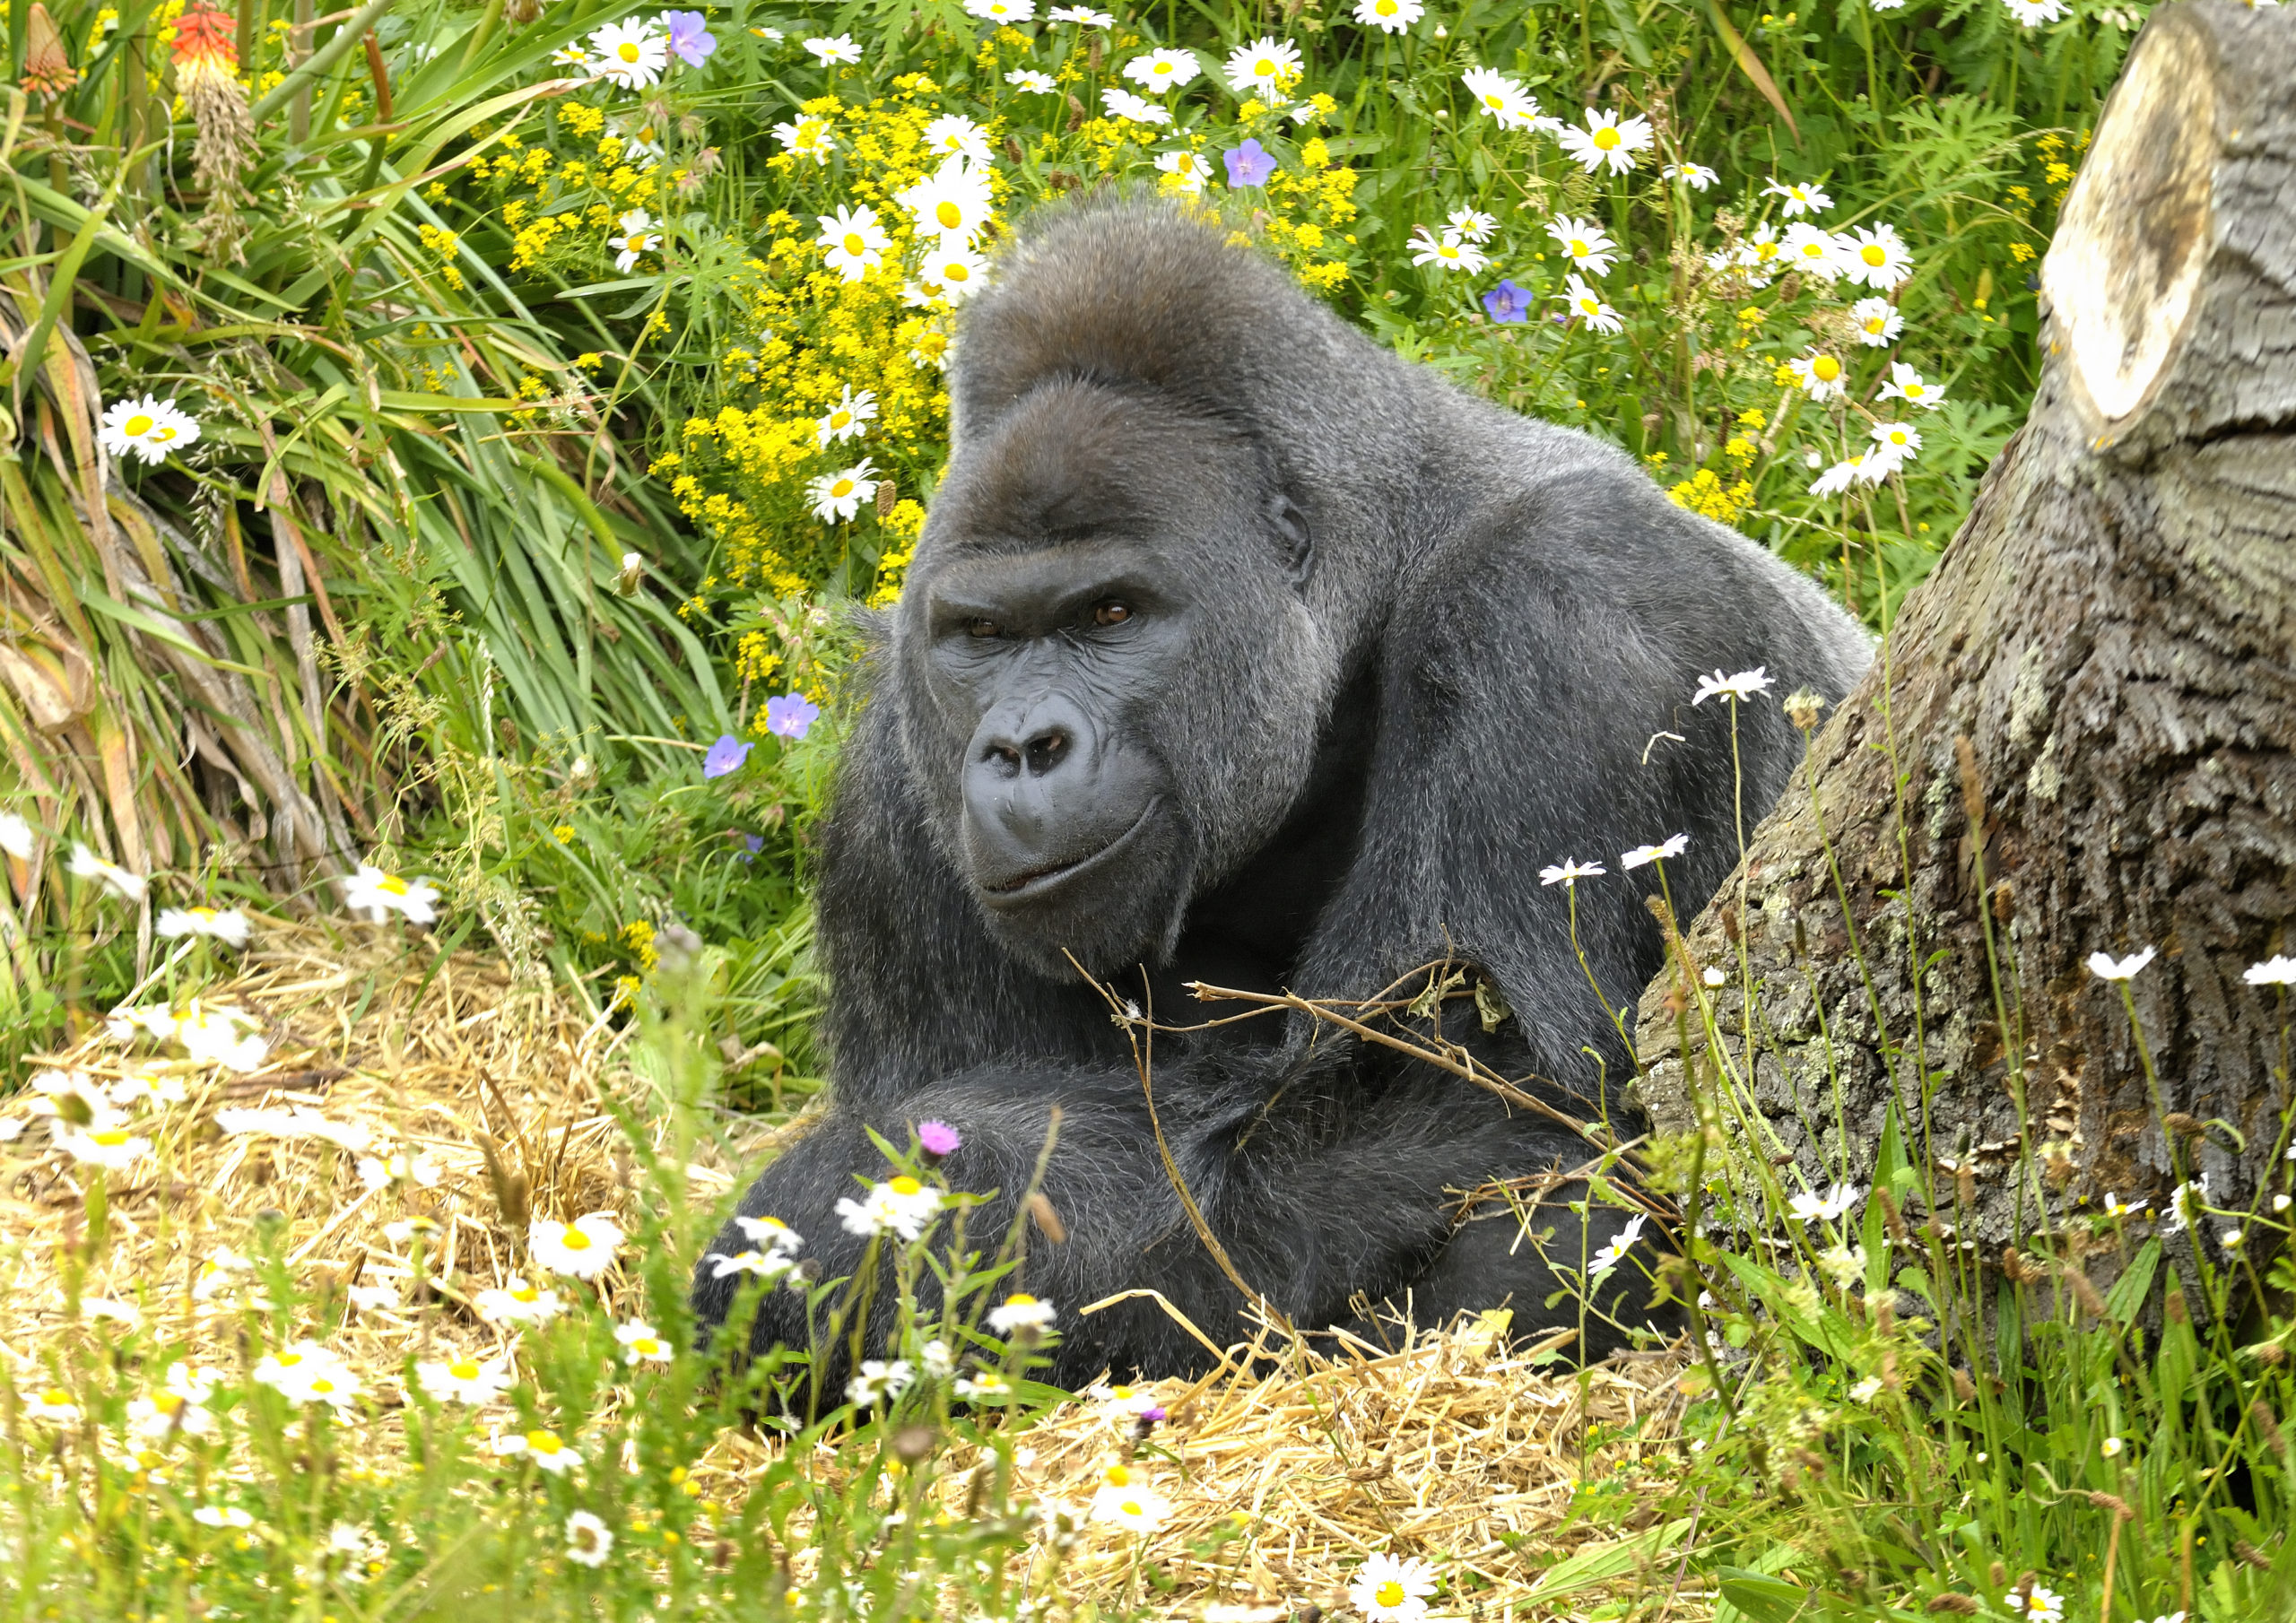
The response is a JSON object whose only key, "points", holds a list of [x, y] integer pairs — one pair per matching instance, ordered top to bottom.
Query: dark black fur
{"points": [[1399, 649]]}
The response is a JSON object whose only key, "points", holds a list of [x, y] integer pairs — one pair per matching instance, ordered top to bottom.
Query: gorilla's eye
{"points": [[1111, 613], [982, 627]]}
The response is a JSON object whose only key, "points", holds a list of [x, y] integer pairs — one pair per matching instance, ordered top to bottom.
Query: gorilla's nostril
{"points": [[1047, 750], [1007, 758]]}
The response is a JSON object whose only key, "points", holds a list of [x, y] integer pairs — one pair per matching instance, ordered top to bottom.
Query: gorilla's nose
{"points": [[1042, 795]]}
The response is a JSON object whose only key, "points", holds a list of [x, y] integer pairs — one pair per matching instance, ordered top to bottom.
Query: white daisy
{"points": [[1007, 11], [2032, 14], [1083, 16], [1388, 16], [834, 48], [632, 54], [1264, 67], [1163, 70], [1030, 80], [1505, 99], [1124, 106], [954, 136], [807, 138], [1607, 141], [1187, 170], [1696, 176], [1800, 198], [953, 202], [1472, 225], [638, 237], [852, 242], [1585, 244], [1812, 250], [1448, 252], [1874, 255], [953, 271], [1587, 306], [1878, 322], [1820, 374], [1906, 383], [844, 419], [148, 426], [1901, 441], [1851, 471], [839, 495], [1739, 687], [15, 836], [1665, 850], [86, 864], [1569, 872], [376, 894], [228, 925], [2105, 967], [2276, 971], [147, 1087], [112, 1147], [901, 1206], [1827, 1207], [771, 1233], [582, 1249], [1611, 1255], [765, 1264], [518, 1303], [1021, 1311], [641, 1343], [463, 1380], [879, 1382], [984, 1386], [52, 1404], [548, 1450], [1132, 1504], [223, 1515], [588, 1540], [1387, 1589]]}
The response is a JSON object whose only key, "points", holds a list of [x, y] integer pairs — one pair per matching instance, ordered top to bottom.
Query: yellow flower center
{"points": [[1385, 8], [628, 51], [1265, 67], [1160, 68], [1495, 103], [1605, 139], [950, 216], [854, 245], [1578, 249], [1765, 250], [1872, 253], [1590, 305], [1874, 324], [1825, 369], [1915, 391], [838, 420], [138, 426], [163, 435], [841, 490], [392, 883], [202, 914], [110, 1138], [904, 1184], [576, 1240], [528, 1296], [1019, 1298], [646, 1346], [288, 1360], [464, 1369], [321, 1383], [56, 1396], [544, 1442], [1119, 1476], [1131, 1507], [1390, 1593]]}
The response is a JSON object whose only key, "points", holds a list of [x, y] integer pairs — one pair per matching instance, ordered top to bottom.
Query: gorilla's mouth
{"points": [[1035, 884]]}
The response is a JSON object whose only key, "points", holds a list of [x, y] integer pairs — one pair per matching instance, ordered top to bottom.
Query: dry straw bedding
{"points": [[1453, 1447]]}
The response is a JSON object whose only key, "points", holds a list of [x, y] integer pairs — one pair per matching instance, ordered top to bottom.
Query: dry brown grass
{"points": [[1453, 1447]]}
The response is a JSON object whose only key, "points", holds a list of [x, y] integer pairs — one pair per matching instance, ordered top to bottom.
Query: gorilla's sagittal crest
{"points": [[1236, 650]]}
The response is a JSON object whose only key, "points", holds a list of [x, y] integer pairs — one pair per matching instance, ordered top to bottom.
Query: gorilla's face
{"points": [[1112, 687]]}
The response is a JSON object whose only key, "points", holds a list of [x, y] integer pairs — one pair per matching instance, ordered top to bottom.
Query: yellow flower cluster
{"points": [[741, 473], [1704, 492]]}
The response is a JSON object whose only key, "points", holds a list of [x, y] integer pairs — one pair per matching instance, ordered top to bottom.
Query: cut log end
{"points": [[2133, 238]]}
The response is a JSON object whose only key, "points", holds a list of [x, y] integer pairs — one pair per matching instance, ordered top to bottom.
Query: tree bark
{"points": [[2080, 736]]}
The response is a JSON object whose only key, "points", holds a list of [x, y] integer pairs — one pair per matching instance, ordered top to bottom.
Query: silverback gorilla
{"points": [[1237, 650]]}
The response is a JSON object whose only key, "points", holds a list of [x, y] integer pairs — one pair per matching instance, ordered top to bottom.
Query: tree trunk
{"points": [[2103, 670]]}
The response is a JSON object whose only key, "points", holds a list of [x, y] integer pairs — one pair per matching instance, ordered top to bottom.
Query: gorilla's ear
{"points": [[1291, 534]]}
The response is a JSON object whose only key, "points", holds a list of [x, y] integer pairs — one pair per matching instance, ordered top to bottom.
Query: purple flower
{"points": [[690, 40], [1248, 165], [1508, 302], [789, 715], [726, 755], [753, 841], [938, 1139]]}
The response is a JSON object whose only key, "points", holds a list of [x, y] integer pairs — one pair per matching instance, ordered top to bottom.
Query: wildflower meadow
{"points": [[448, 452]]}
